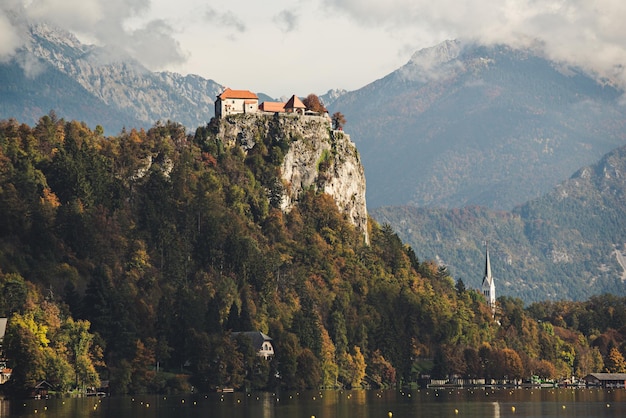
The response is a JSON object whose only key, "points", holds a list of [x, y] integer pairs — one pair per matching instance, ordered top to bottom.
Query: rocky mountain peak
{"points": [[55, 35], [434, 62], [123, 83]]}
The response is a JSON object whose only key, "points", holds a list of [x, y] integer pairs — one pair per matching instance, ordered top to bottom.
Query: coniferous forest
{"points": [[133, 258]]}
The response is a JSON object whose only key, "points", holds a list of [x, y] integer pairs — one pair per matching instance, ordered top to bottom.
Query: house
{"points": [[231, 102], [295, 105], [261, 342], [5, 375], [606, 380], [41, 389]]}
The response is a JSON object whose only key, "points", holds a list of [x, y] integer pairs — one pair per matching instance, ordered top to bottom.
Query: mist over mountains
{"points": [[84, 82], [469, 125]]}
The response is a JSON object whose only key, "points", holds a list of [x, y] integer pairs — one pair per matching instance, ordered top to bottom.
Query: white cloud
{"points": [[227, 19], [286, 20], [103, 22], [11, 28], [587, 33], [11, 39], [327, 43]]}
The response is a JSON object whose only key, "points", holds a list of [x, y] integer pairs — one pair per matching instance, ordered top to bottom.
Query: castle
{"points": [[232, 102]]}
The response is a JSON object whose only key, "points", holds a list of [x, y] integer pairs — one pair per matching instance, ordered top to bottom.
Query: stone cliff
{"points": [[317, 157]]}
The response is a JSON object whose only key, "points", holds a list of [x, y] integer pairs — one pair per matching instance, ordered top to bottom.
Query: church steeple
{"points": [[489, 288]]}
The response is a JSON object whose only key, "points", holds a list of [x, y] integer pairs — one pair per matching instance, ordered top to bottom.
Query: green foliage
{"points": [[153, 246], [43, 345]]}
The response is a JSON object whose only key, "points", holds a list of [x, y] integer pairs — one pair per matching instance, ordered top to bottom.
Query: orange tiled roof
{"points": [[237, 94], [294, 103], [272, 106]]}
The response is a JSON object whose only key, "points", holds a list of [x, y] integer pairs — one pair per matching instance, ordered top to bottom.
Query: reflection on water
{"points": [[432, 403], [496, 409]]}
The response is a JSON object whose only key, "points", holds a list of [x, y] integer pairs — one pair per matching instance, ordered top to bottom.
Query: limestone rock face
{"points": [[317, 157]]}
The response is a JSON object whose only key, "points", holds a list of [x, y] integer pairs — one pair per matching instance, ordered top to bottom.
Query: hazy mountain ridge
{"points": [[121, 83], [471, 125], [560, 246]]}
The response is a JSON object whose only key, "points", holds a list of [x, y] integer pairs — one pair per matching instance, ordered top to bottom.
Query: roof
{"points": [[237, 94], [294, 103], [272, 106], [487, 277], [257, 338], [607, 376], [43, 385]]}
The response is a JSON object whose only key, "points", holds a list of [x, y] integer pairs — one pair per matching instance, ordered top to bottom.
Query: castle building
{"points": [[231, 102], [489, 287]]}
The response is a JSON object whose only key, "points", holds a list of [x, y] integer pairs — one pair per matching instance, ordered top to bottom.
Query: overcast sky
{"points": [[282, 47]]}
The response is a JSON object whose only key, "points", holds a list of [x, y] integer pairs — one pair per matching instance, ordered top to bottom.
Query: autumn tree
{"points": [[313, 103], [338, 120], [25, 342], [79, 342], [42, 346], [615, 362], [352, 368], [514, 368], [381, 371]]}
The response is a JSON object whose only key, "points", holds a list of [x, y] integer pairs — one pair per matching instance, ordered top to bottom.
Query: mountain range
{"points": [[55, 71], [463, 124], [462, 145], [567, 244]]}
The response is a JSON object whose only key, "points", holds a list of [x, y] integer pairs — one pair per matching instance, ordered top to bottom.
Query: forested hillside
{"points": [[563, 245], [132, 258]]}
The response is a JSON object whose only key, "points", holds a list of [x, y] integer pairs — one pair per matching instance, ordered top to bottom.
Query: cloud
{"points": [[226, 19], [286, 20], [103, 22], [10, 28], [581, 32], [10, 38], [155, 46], [31, 65]]}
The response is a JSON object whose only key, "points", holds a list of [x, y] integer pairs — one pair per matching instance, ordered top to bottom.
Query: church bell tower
{"points": [[489, 287]]}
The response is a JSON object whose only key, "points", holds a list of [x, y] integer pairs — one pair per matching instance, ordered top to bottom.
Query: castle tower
{"points": [[489, 287]]}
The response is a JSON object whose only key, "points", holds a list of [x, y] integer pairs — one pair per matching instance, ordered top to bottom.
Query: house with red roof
{"points": [[231, 102], [293, 105]]}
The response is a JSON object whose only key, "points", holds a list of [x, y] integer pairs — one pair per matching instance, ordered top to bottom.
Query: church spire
{"points": [[487, 265], [489, 288]]}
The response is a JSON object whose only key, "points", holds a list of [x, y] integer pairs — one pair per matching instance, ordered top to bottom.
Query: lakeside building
{"points": [[606, 380]]}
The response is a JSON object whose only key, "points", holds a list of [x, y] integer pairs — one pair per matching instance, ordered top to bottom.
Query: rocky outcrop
{"points": [[318, 157]]}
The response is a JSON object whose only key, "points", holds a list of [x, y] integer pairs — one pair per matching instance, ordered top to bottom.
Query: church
{"points": [[489, 287]]}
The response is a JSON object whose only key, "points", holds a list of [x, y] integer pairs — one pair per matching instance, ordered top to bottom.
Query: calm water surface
{"points": [[488, 403]]}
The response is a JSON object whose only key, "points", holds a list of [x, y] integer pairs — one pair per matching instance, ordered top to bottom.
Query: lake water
{"points": [[431, 403]]}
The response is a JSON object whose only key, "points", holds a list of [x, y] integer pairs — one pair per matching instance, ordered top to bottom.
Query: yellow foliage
{"points": [[49, 198]]}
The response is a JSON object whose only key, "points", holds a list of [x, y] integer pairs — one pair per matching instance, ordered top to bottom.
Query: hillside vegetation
{"points": [[560, 246], [132, 258]]}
